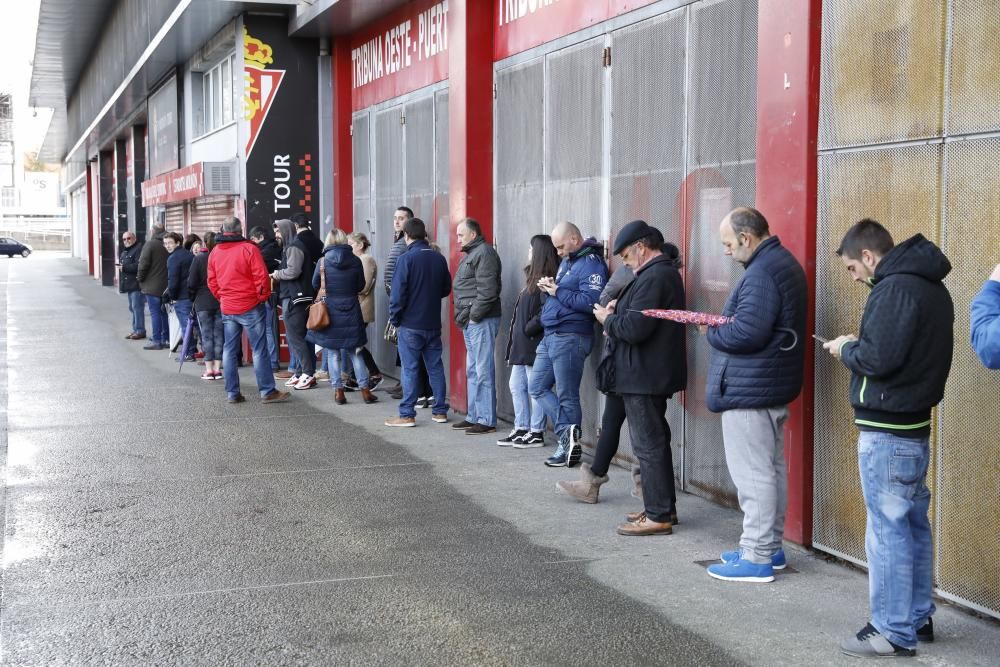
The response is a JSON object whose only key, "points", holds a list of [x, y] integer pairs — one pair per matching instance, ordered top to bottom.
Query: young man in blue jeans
{"points": [[899, 363]]}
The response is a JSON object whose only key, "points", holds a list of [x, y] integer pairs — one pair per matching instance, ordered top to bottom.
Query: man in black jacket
{"points": [[305, 235], [271, 251], [128, 284], [899, 364], [650, 365], [755, 372]]}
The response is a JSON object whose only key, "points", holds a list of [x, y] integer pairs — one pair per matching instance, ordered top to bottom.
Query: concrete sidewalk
{"points": [[209, 526]]}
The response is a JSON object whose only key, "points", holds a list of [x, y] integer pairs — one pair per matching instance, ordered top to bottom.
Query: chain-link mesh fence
{"points": [[895, 72]]}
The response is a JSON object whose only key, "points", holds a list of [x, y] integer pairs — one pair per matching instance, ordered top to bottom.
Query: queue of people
{"points": [[899, 360]]}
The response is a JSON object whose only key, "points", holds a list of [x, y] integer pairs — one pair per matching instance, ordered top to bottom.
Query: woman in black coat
{"points": [[343, 275], [206, 308], [525, 335]]}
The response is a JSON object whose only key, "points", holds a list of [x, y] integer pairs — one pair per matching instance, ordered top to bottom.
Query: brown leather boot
{"points": [[339, 397], [368, 397], [586, 488]]}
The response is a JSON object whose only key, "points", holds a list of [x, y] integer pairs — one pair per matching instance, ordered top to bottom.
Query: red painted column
{"points": [[787, 125], [470, 143], [343, 178], [91, 198]]}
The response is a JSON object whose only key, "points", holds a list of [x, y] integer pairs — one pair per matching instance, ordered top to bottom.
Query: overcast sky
{"points": [[18, 25]]}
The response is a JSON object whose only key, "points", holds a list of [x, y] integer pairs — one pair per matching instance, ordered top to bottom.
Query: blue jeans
{"points": [[137, 306], [183, 310], [158, 320], [253, 322], [212, 334], [271, 335], [414, 345], [559, 362], [336, 365], [480, 369], [528, 414], [898, 533]]}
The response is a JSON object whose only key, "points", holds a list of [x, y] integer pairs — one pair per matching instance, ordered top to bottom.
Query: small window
{"points": [[217, 105]]}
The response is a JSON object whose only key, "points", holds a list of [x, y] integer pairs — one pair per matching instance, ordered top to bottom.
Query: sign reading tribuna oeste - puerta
{"points": [[280, 101]]}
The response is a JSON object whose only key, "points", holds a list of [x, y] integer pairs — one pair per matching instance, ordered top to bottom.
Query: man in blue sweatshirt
{"points": [[568, 320]]}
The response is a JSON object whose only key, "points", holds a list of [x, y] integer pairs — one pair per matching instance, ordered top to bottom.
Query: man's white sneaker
{"points": [[292, 381]]}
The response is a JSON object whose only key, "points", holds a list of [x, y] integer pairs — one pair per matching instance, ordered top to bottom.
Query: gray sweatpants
{"points": [[754, 442]]}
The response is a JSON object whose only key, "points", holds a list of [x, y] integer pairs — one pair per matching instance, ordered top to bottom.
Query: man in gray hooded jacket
{"points": [[296, 293]]}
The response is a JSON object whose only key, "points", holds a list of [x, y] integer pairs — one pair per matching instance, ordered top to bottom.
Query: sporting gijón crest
{"points": [[262, 84]]}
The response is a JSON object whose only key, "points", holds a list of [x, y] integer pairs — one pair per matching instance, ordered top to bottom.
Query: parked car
{"points": [[11, 247]]}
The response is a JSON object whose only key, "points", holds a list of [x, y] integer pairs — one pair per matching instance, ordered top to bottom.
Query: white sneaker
{"points": [[292, 381], [305, 382]]}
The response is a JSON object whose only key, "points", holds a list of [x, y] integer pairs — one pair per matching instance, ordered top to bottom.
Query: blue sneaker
{"points": [[561, 456], [777, 560], [742, 570]]}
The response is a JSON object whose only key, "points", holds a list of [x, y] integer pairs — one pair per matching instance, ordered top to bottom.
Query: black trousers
{"points": [[296, 315], [369, 362], [647, 423], [611, 433]]}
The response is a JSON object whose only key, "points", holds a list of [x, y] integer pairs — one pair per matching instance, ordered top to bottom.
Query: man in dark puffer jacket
{"points": [[899, 364], [756, 370]]}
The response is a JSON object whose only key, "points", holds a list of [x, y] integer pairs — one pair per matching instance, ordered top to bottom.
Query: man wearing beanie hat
{"points": [[650, 365]]}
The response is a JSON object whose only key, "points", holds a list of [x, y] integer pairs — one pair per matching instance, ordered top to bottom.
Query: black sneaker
{"points": [[351, 385], [424, 402], [462, 425], [480, 429], [511, 438], [530, 440], [574, 449], [926, 632], [869, 643]]}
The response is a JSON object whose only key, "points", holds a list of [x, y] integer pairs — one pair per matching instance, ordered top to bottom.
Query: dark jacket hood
{"points": [[590, 246], [338, 255], [916, 256]]}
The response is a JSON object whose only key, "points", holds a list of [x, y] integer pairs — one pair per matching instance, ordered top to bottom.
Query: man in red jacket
{"points": [[239, 279]]}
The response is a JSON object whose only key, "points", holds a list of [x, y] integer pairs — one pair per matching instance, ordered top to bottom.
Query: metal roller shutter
{"points": [[208, 213]]}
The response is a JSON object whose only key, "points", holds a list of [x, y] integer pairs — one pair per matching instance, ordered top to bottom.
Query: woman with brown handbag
{"points": [[343, 276]]}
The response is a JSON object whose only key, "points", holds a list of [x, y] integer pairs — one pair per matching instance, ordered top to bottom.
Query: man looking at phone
{"points": [[568, 321], [899, 364], [756, 371]]}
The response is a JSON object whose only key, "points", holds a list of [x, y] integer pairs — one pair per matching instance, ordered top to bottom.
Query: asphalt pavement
{"points": [[147, 521]]}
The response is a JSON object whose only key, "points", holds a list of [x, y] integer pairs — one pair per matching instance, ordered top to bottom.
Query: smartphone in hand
{"points": [[821, 339]]}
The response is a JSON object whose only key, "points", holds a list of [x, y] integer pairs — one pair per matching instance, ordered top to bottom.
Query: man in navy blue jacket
{"points": [[420, 280], [568, 320], [756, 371]]}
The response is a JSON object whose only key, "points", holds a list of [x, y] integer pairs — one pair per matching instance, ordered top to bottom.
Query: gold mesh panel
{"points": [[882, 71], [974, 92], [899, 188], [969, 459]]}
